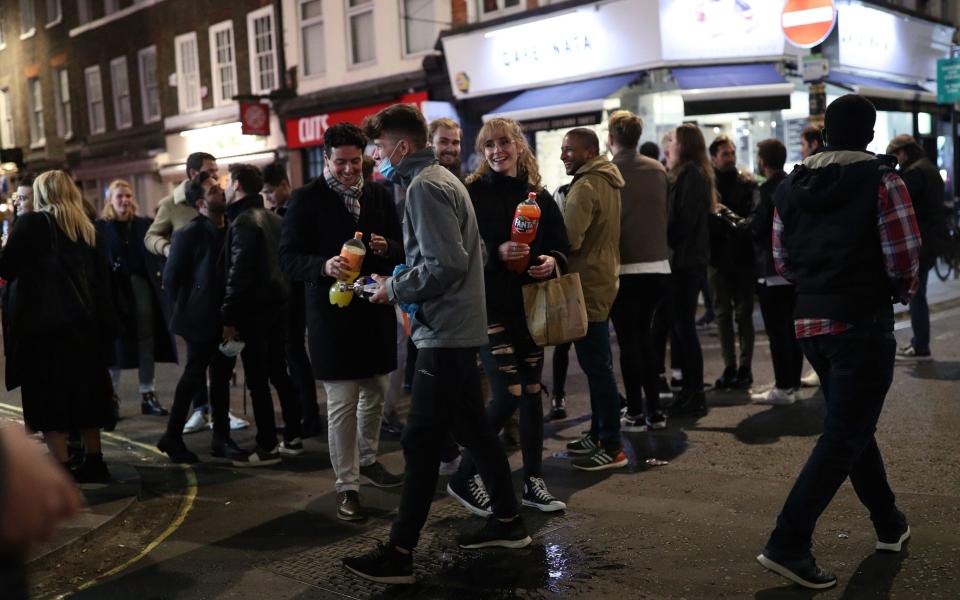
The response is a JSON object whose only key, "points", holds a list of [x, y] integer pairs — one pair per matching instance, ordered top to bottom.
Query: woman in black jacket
{"points": [[692, 200], [142, 307], [63, 322], [513, 362]]}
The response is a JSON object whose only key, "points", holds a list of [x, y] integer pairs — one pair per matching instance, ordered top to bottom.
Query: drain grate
{"points": [[441, 567]]}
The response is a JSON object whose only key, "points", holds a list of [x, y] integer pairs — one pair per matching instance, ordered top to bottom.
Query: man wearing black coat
{"points": [[194, 278], [253, 311], [353, 348]]}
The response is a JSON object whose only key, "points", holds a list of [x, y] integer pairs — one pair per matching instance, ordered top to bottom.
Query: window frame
{"points": [[59, 7], [110, 7], [501, 10], [84, 12], [351, 12], [304, 24], [3, 26], [24, 34], [252, 49], [405, 51], [215, 65], [145, 89], [118, 98], [62, 103], [91, 103], [182, 107], [38, 132], [8, 136]]}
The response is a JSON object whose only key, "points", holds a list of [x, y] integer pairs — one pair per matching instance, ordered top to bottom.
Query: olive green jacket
{"points": [[172, 214]]}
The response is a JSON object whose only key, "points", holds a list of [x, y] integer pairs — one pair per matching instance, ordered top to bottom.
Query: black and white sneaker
{"points": [[664, 388], [558, 407], [657, 420], [632, 423], [585, 445], [292, 447], [258, 457], [599, 460], [377, 476], [471, 493], [536, 495], [497, 534], [893, 543], [383, 564], [802, 571]]}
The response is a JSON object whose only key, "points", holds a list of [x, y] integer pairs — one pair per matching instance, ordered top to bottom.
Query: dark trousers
{"points": [[685, 284], [733, 300], [776, 306], [920, 312], [632, 317], [663, 330], [202, 356], [596, 360], [265, 363], [410, 363], [561, 364], [856, 370], [301, 373], [446, 396], [13, 578]]}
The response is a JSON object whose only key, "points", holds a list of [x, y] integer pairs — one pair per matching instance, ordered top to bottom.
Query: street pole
{"points": [[953, 138]]}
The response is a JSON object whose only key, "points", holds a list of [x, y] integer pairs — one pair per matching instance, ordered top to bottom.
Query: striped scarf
{"points": [[350, 194]]}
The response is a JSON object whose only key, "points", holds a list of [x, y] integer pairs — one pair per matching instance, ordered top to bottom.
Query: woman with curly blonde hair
{"points": [[142, 306], [63, 322], [512, 361]]}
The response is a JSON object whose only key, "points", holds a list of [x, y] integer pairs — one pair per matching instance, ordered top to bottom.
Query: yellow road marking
{"points": [[188, 499]]}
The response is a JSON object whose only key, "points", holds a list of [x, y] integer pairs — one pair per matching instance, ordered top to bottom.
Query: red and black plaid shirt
{"points": [[900, 242]]}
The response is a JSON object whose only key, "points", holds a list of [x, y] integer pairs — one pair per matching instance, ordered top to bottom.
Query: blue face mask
{"points": [[387, 168]]}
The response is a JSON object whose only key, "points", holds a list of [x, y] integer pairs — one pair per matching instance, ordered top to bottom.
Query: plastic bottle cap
{"points": [[532, 196], [357, 235]]}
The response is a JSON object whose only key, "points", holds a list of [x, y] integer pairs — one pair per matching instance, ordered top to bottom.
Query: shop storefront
{"points": [[726, 66]]}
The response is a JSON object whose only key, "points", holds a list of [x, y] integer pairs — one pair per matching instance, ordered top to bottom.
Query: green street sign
{"points": [[948, 80]]}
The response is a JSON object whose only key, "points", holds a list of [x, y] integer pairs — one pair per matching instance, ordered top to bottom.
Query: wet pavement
{"points": [[689, 528]]}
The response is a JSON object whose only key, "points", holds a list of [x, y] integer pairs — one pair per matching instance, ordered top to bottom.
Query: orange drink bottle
{"points": [[525, 222], [353, 252]]}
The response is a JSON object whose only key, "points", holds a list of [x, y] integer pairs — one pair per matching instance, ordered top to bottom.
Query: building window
{"points": [[110, 6], [496, 8], [54, 12], [84, 12], [28, 24], [419, 26], [3, 27], [311, 38], [360, 38], [263, 51], [223, 63], [188, 73], [149, 90], [61, 95], [122, 113], [6, 120], [98, 121], [37, 135], [313, 163]]}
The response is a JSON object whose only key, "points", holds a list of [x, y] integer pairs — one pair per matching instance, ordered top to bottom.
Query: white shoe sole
{"points": [[900, 358], [776, 402], [633, 428], [290, 451], [260, 463], [613, 465], [364, 480], [545, 507], [477, 511], [499, 544], [896, 546], [785, 572], [393, 580]]}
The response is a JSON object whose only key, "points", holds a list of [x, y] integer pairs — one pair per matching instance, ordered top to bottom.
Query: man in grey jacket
{"points": [[443, 288]]}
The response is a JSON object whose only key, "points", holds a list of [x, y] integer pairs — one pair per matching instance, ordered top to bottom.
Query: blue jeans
{"points": [[920, 314], [596, 360], [856, 370]]}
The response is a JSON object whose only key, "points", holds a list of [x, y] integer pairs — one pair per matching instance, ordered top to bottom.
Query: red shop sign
{"points": [[255, 118], [308, 131]]}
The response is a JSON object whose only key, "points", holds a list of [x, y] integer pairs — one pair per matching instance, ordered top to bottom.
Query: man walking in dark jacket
{"points": [[925, 185], [844, 232], [194, 278], [444, 285], [253, 310]]}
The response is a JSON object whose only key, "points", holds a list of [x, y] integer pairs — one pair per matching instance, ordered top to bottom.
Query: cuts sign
{"points": [[308, 131]]}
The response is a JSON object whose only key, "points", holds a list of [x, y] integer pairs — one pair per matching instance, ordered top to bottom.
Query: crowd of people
{"points": [[242, 265]]}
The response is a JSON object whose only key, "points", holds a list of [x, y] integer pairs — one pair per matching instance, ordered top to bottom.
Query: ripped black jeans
{"points": [[514, 366]]}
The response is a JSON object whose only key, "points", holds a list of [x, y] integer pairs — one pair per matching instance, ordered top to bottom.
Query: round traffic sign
{"points": [[807, 23]]}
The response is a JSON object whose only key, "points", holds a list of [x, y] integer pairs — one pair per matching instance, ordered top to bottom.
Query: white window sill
{"points": [[123, 12], [55, 22], [28, 34], [363, 65], [150, 120], [124, 126], [38, 144]]}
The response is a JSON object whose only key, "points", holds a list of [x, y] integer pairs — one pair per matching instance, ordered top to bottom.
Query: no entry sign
{"points": [[807, 23]]}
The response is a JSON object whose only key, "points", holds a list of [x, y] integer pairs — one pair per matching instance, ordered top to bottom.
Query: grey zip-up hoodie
{"points": [[442, 246]]}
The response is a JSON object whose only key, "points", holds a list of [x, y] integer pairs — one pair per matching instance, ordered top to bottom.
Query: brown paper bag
{"points": [[556, 312]]}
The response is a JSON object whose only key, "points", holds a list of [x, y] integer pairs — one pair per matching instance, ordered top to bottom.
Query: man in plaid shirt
{"points": [[845, 234]]}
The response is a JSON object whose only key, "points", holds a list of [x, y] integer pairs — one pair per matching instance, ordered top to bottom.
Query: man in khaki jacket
{"points": [[173, 212], [592, 215]]}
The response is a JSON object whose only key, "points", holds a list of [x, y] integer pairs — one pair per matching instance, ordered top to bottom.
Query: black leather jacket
{"points": [[194, 279], [256, 287]]}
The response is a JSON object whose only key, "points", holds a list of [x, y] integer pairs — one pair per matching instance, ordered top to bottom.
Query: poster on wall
{"points": [[716, 29]]}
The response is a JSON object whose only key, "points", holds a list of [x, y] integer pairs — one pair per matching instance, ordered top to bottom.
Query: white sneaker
{"points": [[811, 379], [776, 397], [197, 421], [235, 422], [449, 468]]}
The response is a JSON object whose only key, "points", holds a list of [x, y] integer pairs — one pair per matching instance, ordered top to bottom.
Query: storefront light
{"points": [[773, 124], [235, 128], [716, 130], [4, 207]]}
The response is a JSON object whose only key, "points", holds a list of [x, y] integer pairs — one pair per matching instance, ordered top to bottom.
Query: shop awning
{"points": [[732, 88], [881, 88], [564, 99]]}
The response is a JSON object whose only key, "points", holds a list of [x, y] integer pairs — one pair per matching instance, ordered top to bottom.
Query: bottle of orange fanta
{"points": [[525, 222], [353, 252]]}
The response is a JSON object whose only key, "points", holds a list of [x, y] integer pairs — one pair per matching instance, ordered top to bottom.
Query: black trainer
{"points": [[744, 377], [728, 380], [664, 387], [689, 404], [150, 406], [558, 408], [657, 420], [226, 449], [177, 451], [258, 457], [91, 470], [377, 476], [471, 493], [536, 495], [349, 507], [497, 534], [893, 542], [383, 564], [802, 571]]}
